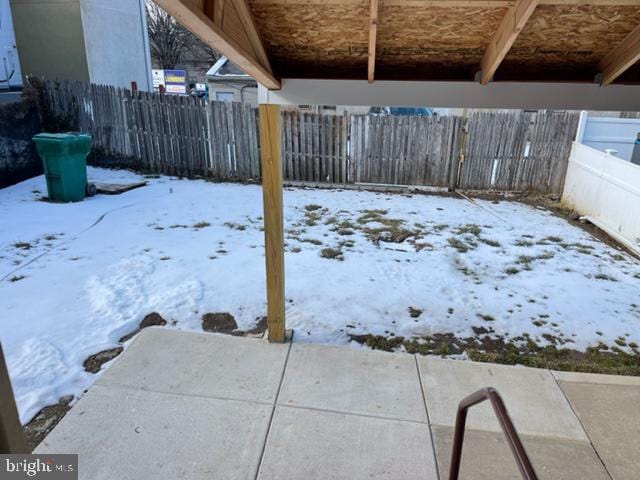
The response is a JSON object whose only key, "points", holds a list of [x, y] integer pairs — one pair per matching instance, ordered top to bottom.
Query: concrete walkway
{"points": [[180, 405]]}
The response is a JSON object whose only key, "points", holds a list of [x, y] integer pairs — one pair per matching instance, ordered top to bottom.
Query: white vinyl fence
{"points": [[605, 133], [605, 189]]}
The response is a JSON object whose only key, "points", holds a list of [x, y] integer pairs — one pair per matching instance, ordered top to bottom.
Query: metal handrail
{"points": [[518, 451]]}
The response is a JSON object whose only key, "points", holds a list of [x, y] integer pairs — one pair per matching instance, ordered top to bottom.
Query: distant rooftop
{"points": [[223, 68]]}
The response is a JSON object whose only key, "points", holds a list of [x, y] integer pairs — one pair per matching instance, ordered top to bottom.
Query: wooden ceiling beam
{"points": [[447, 3], [192, 16], [512, 24], [373, 34], [621, 58]]}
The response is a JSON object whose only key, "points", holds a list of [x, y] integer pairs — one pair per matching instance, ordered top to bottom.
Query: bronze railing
{"points": [[518, 451]]}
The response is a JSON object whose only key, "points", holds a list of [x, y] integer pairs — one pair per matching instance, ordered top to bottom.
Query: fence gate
{"points": [[520, 151]]}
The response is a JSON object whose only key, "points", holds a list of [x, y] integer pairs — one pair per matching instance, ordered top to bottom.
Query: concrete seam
{"points": [[120, 386], [426, 408], [273, 411], [354, 414], [595, 450]]}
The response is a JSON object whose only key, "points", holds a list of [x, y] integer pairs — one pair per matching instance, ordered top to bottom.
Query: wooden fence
{"points": [[169, 134], [515, 151], [520, 151]]}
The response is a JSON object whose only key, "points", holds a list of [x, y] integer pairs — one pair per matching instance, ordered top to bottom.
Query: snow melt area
{"points": [[75, 278]]}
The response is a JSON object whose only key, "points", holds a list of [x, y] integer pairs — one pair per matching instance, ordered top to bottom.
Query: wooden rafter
{"points": [[246, 17], [512, 24], [201, 25], [373, 33], [621, 58]]}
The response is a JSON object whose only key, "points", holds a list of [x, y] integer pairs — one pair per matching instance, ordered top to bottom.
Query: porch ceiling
{"points": [[454, 40]]}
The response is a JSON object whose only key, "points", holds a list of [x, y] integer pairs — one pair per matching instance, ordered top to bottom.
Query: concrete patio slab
{"points": [[207, 365], [353, 381], [535, 403], [203, 406], [611, 416], [120, 433], [312, 444], [486, 456]]}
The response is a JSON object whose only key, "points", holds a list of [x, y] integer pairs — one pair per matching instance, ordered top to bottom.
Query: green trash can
{"points": [[64, 156]]}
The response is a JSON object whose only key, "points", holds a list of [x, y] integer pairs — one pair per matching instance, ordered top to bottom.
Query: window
{"points": [[224, 96]]}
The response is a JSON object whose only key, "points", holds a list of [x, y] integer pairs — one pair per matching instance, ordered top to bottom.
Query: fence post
{"points": [[454, 178], [12, 439]]}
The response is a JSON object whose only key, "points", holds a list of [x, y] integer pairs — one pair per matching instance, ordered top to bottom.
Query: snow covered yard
{"points": [[76, 278]]}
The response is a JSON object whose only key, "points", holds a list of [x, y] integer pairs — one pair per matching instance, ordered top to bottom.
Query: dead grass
{"points": [[332, 253]]}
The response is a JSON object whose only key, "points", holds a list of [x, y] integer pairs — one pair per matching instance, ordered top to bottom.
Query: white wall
{"points": [[116, 42], [604, 133], [607, 189]]}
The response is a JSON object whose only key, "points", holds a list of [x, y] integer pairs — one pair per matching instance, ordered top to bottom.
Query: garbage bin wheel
{"points": [[91, 189]]}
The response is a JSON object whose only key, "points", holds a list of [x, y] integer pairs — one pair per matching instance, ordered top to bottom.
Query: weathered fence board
{"points": [[191, 137], [527, 151]]}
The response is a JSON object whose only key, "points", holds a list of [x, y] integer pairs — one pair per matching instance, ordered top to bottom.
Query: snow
{"points": [[94, 269]]}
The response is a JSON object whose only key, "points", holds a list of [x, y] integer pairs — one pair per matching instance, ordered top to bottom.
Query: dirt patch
{"points": [[152, 320], [221, 322], [260, 328], [93, 364], [45, 420]]}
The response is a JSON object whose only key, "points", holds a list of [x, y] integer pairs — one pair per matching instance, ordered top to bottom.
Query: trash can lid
{"points": [[61, 137]]}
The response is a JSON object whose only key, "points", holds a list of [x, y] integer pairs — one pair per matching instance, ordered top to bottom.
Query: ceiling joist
{"points": [[446, 3], [512, 24], [373, 33], [225, 36], [621, 58]]}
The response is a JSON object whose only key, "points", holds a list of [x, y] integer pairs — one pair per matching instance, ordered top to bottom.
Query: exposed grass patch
{"points": [[312, 207], [200, 225], [235, 226], [469, 228], [312, 241], [491, 243], [523, 243], [458, 244], [23, 245], [332, 253], [511, 271], [604, 276], [17, 278], [486, 318], [522, 350]]}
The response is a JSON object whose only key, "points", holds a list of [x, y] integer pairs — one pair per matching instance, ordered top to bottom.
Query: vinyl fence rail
{"points": [[175, 135]]}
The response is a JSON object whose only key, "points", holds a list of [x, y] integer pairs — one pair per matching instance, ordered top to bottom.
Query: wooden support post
{"points": [[273, 227], [12, 439]]}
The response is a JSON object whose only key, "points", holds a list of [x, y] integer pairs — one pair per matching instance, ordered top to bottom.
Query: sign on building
{"points": [[175, 82]]}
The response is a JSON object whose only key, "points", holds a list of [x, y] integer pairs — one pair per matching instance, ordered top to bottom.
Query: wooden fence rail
{"points": [[176, 135]]}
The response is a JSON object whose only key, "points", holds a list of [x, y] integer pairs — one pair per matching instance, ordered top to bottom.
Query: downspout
{"points": [[145, 41]]}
